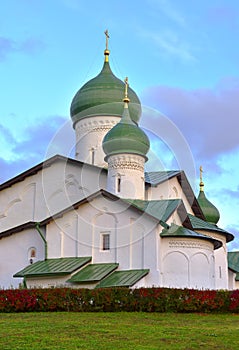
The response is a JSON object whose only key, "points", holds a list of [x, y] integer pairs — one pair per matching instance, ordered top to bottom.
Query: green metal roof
{"points": [[103, 95], [126, 137], [156, 177], [160, 209], [199, 224], [179, 231], [233, 261], [53, 267], [93, 273], [125, 278]]}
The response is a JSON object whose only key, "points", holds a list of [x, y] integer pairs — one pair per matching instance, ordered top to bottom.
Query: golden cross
{"points": [[107, 38], [126, 87], [201, 171]]}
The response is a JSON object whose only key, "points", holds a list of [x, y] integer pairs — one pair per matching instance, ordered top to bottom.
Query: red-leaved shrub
{"points": [[119, 299]]}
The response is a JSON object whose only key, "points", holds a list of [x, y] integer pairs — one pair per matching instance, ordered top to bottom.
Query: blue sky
{"points": [[181, 57]]}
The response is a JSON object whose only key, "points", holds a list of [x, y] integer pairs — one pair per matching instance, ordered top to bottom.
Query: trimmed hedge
{"points": [[119, 299]]}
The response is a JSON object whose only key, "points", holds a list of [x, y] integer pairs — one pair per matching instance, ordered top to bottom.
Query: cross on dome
{"points": [[107, 38], [106, 52], [126, 99], [201, 184]]}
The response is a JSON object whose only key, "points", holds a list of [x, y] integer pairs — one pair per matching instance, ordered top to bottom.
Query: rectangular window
{"points": [[92, 156], [118, 183], [106, 241]]}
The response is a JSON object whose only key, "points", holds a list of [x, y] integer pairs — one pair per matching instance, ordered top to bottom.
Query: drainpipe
{"points": [[43, 238]]}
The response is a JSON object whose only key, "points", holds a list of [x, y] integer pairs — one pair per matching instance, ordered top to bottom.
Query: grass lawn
{"points": [[118, 331]]}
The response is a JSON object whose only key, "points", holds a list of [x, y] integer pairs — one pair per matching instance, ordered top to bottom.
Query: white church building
{"points": [[100, 220]]}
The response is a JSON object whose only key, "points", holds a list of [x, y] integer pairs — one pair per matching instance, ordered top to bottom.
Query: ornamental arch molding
{"points": [[176, 270]]}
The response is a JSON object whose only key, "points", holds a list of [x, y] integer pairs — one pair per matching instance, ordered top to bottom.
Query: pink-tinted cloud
{"points": [[208, 119], [32, 150]]}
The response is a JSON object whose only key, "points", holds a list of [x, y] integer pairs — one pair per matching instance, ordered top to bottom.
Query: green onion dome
{"points": [[102, 96], [126, 137], [209, 210]]}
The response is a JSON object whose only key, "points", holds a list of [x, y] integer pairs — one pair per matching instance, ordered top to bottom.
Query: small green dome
{"points": [[102, 95], [126, 137], [209, 210]]}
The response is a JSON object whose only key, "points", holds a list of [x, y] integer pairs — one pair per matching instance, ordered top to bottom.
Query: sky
{"points": [[182, 60]]}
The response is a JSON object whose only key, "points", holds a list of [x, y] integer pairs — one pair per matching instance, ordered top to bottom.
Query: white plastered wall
{"points": [[90, 133], [126, 176], [51, 189], [169, 189], [18, 203], [133, 236], [135, 244], [14, 255], [187, 263], [221, 263], [231, 280], [47, 282]]}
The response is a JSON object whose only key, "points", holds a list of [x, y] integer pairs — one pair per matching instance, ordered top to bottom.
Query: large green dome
{"points": [[103, 95], [126, 137], [209, 210]]}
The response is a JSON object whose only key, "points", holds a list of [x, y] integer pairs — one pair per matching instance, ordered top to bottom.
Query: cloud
{"points": [[168, 10], [168, 32], [169, 44], [6, 46], [29, 46], [207, 118], [207, 121], [6, 136], [39, 137], [8, 143], [168, 146], [32, 150], [232, 194], [228, 196], [234, 229]]}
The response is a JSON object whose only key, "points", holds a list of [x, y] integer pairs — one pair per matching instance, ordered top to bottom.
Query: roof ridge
{"points": [[39, 166]]}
